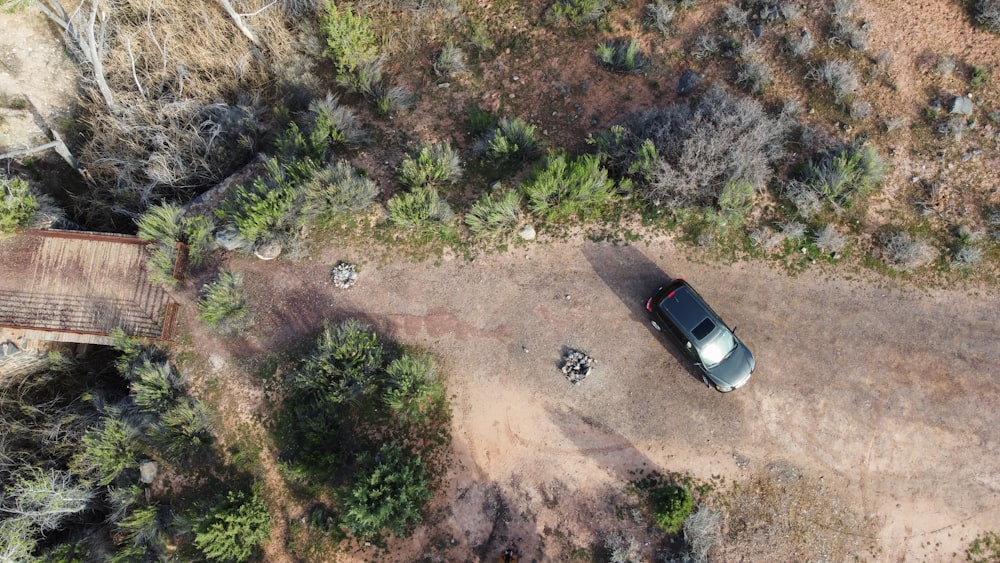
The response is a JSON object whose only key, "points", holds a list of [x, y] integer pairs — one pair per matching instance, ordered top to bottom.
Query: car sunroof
{"points": [[703, 329]]}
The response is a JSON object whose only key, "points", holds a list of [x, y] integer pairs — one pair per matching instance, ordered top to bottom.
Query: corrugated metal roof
{"points": [[76, 286]]}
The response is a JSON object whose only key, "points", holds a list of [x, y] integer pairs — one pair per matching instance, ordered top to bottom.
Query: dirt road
{"points": [[888, 394]]}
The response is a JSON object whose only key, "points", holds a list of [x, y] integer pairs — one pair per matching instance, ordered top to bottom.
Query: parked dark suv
{"points": [[677, 309]]}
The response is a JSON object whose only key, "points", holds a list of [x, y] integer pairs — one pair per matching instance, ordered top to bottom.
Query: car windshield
{"points": [[715, 350]]}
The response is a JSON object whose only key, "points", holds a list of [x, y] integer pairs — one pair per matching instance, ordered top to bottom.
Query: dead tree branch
{"points": [[89, 37]]}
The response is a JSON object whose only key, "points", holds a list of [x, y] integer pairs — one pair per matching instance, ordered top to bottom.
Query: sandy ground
{"points": [[886, 393]]}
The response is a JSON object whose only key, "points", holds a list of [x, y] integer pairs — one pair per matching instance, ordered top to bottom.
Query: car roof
{"points": [[686, 308]]}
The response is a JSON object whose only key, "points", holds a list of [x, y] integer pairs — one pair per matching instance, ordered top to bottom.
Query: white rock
{"points": [[527, 233], [268, 250]]}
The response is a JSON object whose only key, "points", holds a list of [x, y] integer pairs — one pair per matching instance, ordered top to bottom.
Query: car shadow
{"points": [[628, 273], [634, 278]]}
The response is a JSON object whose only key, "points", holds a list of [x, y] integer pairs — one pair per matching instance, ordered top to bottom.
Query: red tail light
{"points": [[649, 305]]}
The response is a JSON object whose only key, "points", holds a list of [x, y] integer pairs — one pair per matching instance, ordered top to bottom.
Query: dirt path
{"points": [[886, 393]]}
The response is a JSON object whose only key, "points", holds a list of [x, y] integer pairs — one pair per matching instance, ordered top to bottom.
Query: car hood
{"points": [[735, 370]]}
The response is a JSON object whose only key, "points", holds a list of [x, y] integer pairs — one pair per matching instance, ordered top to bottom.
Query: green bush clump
{"points": [[577, 12], [350, 38], [621, 55], [450, 61], [332, 125], [510, 141], [433, 164], [841, 176], [565, 187], [337, 188], [17, 204], [419, 208], [266, 210], [494, 213], [165, 225], [222, 304], [362, 414], [389, 493], [672, 504], [233, 528], [984, 549]]}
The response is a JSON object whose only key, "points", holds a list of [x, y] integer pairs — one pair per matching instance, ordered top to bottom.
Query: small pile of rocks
{"points": [[344, 275], [576, 366]]}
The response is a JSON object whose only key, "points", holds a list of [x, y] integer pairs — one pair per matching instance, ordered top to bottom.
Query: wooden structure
{"points": [[73, 286]]}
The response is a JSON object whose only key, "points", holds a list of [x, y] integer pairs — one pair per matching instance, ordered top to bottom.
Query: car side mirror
{"points": [[688, 345]]}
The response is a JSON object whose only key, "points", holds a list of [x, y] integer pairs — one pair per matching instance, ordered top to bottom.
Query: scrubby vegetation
{"points": [[777, 148], [18, 205], [367, 420], [75, 439]]}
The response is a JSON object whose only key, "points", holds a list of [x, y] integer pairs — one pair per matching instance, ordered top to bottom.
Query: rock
{"points": [[688, 80], [961, 105], [527, 233], [230, 239], [268, 250], [344, 275], [576, 366], [148, 471]]}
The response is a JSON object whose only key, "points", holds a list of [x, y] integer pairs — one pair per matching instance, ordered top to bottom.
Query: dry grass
{"points": [[781, 514]]}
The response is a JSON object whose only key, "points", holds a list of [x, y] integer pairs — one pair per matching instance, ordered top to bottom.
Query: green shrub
{"points": [[576, 12], [350, 38], [622, 56], [450, 61], [980, 76], [368, 80], [333, 125], [512, 140], [432, 165], [841, 176], [565, 187], [337, 188], [736, 200], [17, 204], [419, 208], [266, 209], [494, 213], [165, 225], [222, 304], [343, 367], [156, 386], [413, 388], [185, 431], [107, 450], [389, 494], [672, 504], [233, 528], [144, 533], [986, 547]]}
